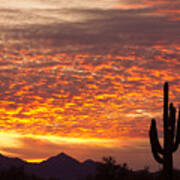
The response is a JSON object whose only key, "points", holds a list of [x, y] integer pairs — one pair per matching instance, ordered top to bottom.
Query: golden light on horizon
{"points": [[13, 145]]}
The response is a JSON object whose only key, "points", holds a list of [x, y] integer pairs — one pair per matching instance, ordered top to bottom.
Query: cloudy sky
{"points": [[86, 77]]}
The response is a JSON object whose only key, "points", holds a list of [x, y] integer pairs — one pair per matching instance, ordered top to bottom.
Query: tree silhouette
{"points": [[171, 139], [107, 170]]}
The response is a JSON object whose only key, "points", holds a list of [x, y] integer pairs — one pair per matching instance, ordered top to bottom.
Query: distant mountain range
{"points": [[61, 166], [64, 167]]}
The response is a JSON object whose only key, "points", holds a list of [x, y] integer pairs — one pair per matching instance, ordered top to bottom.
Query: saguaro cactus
{"points": [[164, 155]]}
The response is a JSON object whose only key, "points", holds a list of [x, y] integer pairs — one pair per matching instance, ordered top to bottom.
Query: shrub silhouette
{"points": [[171, 139], [109, 170]]}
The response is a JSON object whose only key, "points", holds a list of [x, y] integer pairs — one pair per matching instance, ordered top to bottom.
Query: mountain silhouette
{"points": [[60, 160], [6, 162], [60, 166]]}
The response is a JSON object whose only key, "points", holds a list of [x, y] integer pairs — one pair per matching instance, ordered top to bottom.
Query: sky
{"points": [[86, 77]]}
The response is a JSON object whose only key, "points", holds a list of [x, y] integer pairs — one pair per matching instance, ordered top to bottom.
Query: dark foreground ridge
{"points": [[64, 167]]}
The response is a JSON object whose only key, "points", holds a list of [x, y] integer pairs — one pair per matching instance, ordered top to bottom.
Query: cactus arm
{"points": [[172, 119], [177, 140], [155, 145], [157, 156]]}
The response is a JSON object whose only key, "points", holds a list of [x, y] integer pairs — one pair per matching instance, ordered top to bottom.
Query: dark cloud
{"points": [[102, 28]]}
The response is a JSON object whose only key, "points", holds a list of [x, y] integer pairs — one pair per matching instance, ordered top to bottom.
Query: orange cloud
{"points": [[84, 95]]}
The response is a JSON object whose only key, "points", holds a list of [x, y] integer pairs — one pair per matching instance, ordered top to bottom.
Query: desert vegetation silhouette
{"points": [[164, 155]]}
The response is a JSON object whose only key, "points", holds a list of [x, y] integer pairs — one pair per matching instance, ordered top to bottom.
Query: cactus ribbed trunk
{"points": [[171, 139], [168, 164]]}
